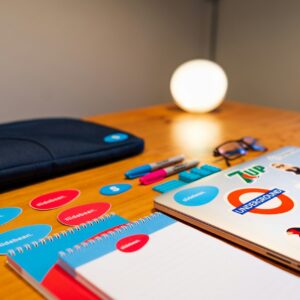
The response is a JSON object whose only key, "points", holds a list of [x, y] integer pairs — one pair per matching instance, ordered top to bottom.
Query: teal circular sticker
{"points": [[116, 137], [115, 189], [196, 196], [9, 213], [23, 235]]}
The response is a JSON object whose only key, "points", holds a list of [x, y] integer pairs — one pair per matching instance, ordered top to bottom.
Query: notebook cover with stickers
{"points": [[254, 204], [158, 257], [37, 262]]}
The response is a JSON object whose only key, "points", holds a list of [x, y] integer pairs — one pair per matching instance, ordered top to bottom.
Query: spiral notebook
{"points": [[254, 204], [160, 258], [37, 262]]}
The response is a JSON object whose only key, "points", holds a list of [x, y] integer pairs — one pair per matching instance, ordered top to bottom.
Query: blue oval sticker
{"points": [[116, 137], [115, 189], [196, 196], [9, 213], [23, 235]]}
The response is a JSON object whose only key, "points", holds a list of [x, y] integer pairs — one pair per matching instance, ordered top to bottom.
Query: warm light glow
{"points": [[199, 85], [196, 135]]}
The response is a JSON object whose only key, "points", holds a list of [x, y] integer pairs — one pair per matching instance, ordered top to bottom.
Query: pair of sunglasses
{"points": [[231, 150]]}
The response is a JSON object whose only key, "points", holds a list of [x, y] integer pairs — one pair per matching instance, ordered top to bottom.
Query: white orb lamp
{"points": [[199, 85]]}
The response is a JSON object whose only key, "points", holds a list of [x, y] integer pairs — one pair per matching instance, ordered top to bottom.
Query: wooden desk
{"points": [[167, 131]]}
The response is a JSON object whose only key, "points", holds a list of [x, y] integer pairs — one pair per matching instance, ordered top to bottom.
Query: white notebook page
{"points": [[179, 262]]}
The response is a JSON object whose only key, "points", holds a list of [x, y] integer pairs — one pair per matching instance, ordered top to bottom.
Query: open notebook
{"points": [[160, 258], [37, 262]]}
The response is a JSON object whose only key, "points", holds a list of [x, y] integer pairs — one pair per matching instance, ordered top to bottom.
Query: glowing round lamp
{"points": [[199, 85]]}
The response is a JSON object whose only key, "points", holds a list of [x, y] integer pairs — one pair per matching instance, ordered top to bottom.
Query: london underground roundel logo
{"points": [[284, 205]]}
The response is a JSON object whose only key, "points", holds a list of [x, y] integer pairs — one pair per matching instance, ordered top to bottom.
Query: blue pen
{"points": [[143, 170]]}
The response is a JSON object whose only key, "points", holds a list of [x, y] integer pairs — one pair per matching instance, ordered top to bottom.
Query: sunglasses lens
{"points": [[249, 140], [253, 143], [259, 147], [232, 150]]}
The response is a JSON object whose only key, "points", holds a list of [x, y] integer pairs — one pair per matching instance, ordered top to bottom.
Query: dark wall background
{"points": [[259, 47], [75, 57]]}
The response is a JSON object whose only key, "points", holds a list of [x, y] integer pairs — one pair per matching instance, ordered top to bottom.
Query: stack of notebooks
{"points": [[156, 257], [37, 262]]}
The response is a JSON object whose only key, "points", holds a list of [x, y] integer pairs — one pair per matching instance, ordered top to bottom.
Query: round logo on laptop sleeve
{"points": [[116, 137], [196, 196]]}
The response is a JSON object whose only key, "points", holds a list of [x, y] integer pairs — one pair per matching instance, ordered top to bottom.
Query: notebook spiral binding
{"points": [[109, 234], [51, 238]]}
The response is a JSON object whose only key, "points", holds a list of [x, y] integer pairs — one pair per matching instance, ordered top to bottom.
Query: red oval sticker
{"points": [[54, 199], [83, 213], [132, 243]]}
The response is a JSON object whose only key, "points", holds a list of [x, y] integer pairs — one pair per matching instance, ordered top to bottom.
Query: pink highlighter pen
{"points": [[159, 175]]}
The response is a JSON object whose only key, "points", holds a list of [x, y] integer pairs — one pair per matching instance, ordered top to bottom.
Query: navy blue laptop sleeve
{"points": [[39, 149]]}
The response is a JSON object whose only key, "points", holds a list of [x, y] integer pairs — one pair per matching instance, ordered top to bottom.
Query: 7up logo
{"points": [[249, 175]]}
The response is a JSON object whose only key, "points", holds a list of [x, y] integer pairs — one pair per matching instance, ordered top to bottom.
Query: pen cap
{"points": [[138, 172], [153, 177]]}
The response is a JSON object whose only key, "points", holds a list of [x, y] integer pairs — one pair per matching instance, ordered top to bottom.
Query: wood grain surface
{"points": [[167, 131]]}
